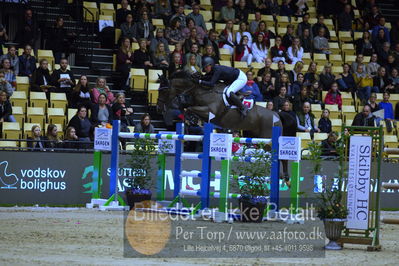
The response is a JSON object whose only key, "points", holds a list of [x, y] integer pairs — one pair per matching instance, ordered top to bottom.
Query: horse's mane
{"points": [[180, 75]]}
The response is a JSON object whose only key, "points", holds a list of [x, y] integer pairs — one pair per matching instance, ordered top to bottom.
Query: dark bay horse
{"points": [[203, 101]]}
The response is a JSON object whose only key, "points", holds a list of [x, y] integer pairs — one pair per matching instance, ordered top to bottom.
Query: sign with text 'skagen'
{"points": [[102, 139], [221, 145], [289, 148]]}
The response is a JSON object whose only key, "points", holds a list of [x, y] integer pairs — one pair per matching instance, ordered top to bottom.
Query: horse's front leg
{"points": [[201, 111]]}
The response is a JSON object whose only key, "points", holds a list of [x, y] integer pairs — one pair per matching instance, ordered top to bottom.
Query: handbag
{"points": [[366, 82]]}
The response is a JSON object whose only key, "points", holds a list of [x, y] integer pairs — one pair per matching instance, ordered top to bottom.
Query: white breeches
{"points": [[238, 84]]}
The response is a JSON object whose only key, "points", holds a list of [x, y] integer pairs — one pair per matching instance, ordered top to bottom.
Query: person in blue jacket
{"points": [[235, 78], [252, 88]]}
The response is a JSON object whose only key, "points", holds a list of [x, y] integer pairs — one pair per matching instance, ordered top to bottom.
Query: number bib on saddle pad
{"points": [[249, 103]]}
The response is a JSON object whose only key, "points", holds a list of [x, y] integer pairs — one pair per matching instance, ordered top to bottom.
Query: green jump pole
{"points": [[97, 167], [161, 177], [224, 185], [294, 190]]}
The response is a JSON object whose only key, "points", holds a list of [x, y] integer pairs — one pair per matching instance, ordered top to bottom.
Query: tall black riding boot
{"points": [[237, 102]]}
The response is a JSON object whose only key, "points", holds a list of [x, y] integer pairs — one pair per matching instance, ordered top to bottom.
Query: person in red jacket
{"points": [[334, 96]]}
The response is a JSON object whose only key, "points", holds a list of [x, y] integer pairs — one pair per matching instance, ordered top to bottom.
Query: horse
{"points": [[208, 104]]}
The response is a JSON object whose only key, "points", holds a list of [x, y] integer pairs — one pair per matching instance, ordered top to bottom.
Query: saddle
{"points": [[249, 103]]}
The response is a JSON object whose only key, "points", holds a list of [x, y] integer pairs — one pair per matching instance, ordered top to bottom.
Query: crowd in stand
{"points": [[284, 91]]}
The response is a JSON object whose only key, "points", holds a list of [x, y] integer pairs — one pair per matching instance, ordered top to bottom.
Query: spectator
{"points": [[269, 7], [285, 9], [163, 10], [228, 12], [241, 12], [122, 13], [179, 15], [197, 17], [373, 17], [345, 19], [304, 24], [254, 25], [320, 25], [381, 25], [127, 28], [143, 29], [28, 30], [243, 31], [199, 32], [174, 34], [267, 34], [394, 34], [289, 36], [227, 37], [3, 38], [192, 38], [212, 39], [380, 39], [59, 40], [307, 41], [320, 43], [364, 45], [259, 49], [179, 50], [194, 51], [278, 51], [295, 51], [209, 52], [243, 52], [383, 53], [13, 57], [141, 57], [160, 58], [124, 61], [358, 61], [27, 62], [176, 64], [390, 64], [191, 66], [373, 66], [266, 69], [280, 71], [294, 73], [9, 74], [311, 75], [41, 78], [327, 78], [63, 79], [394, 79], [284, 81], [346, 81], [381, 81], [298, 84], [364, 84], [5, 86], [101, 87], [266, 87], [252, 88], [315, 93], [81, 94], [334, 96], [301, 98], [279, 100], [373, 103], [270, 106], [387, 107], [5, 108], [287, 108], [122, 112], [101, 113], [365, 118], [305, 120], [325, 122], [82, 124], [145, 125], [51, 139], [70, 139], [36, 142], [329, 145], [237, 148]]}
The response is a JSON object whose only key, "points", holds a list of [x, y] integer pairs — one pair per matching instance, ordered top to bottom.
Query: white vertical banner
{"points": [[220, 145], [359, 182]]}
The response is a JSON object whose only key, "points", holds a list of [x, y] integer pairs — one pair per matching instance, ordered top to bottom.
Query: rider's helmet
{"points": [[207, 61]]}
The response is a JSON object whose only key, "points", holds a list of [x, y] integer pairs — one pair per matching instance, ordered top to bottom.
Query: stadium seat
{"points": [[207, 4], [118, 6], [108, 10], [90, 11], [207, 15], [268, 18], [282, 21], [158, 23], [329, 23], [208, 25], [281, 31], [118, 34], [357, 35], [333, 36], [345, 36], [334, 47], [348, 49], [20, 51], [225, 54], [48, 55], [306, 58], [321, 59], [336, 60], [113, 62], [225, 63], [241, 65], [337, 69], [153, 75], [138, 81], [22, 84], [153, 93], [19, 98], [347, 98], [38, 99], [58, 100], [262, 104], [316, 110], [334, 112], [348, 112], [71, 113], [19, 114], [36, 115], [56, 116], [348, 122], [336, 125], [384, 127], [27, 129], [60, 129], [11, 130], [320, 136], [305, 139], [391, 141], [8, 144]]}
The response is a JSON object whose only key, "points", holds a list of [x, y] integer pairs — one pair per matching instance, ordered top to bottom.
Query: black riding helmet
{"points": [[207, 61]]}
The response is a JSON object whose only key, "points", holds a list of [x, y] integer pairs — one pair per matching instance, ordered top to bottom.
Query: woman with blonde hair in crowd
{"points": [[243, 31], [227, 37], [259, 49], [295, 51], [160, 58], [124, 60], [191, 66], [293, 74], [311, 75], [101, 87], [81, 94], [51, 138], [70, 139], [36, 141]]}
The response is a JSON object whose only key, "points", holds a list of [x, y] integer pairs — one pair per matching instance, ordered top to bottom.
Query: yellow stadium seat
{"points": [[207, 4], [118, 6], [108, 10], [312, 10], [90, 11], [207, 15], [106, 17], [268, 18], [282, 21], [158, 23], [329, 23], [388, 25], [219, 26], [281, 31], [118, 34], [357, 35], [333, 36], [345, 36], [334, 47], [348, 49], [20, 51], [225, 54], [48, 55], [306, 58], [321, 59], [336, 59], [350, 59], [113, 62], [225, 63], [241, 65], [337, 69], [153, 75], [138, 79], [22, 84], [153, 93], [19, 98], [347, 98], [38, 99], [58, 100], [262, 104], [316, 110], [348, 112], [71, 113], [335, 113], [19, 114], [36, 115], [56, 116], [336, 124], [384, 127], [60, 129], [11, 130], [27, 130], [320, 136], [305, 139], [391, 141], [8, 144]]}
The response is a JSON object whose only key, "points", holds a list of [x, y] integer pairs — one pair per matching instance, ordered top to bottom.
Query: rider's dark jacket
{"points": [[225, 73]]}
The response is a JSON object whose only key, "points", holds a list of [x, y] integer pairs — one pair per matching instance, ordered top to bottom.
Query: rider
{"points": [[231, 76]]}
